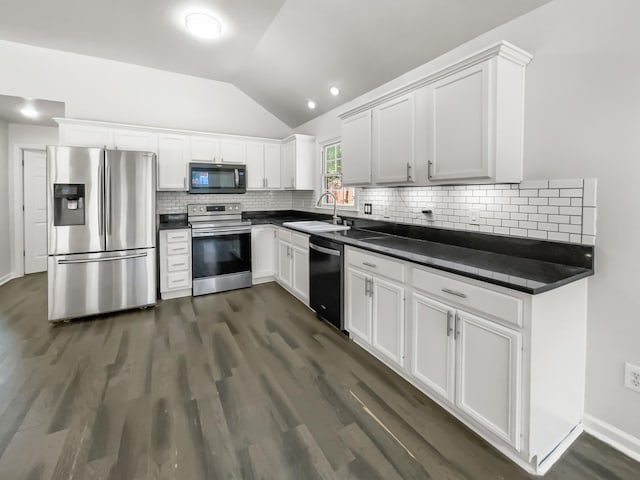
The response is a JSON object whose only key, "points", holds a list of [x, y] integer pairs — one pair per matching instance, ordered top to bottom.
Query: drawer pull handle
{"points": [[178, 264], [372, 265], [177, 281], [453, 292]]}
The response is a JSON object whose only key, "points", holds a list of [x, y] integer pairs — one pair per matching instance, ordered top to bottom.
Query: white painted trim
{"points": [[502, 49], [16, 217], [6, 278], [618, 439], [557, 452]]}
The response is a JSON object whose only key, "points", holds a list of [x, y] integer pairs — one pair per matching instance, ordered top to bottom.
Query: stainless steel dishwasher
{"points": [[326, 280]]}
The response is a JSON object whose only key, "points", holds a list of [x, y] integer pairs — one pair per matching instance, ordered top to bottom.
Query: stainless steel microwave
{"points": [[217, 178]]}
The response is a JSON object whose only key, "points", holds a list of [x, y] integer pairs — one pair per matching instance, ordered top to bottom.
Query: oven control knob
{"points": [[202, 209]]}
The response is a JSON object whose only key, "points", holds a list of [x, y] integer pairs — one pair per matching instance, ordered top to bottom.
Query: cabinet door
{"points": [[459, 126], [86, 136], [394, 140], [135, 141], [204, 149], [356, 149], [232, 151], [173, 154], [288, 164], [272, 168], [256, 179], [262, 245], [284, 263], [300, 283], [358, 304], [388, 320], [433, 348], [488, 372]]}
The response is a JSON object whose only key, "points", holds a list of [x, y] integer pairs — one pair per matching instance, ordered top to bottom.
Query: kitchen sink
{"points": [[315, 226]]}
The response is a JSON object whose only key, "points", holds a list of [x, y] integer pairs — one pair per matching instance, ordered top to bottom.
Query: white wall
{"points": [[98, 89], [582, 120], [29, 136], [5, 241]]}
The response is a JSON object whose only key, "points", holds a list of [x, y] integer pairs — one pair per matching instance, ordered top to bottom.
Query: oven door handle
{"points": [[219, 232]]}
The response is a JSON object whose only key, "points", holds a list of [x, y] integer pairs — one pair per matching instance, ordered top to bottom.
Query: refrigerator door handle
{"points": [[107, 191], [101, 199], [104, 259]]}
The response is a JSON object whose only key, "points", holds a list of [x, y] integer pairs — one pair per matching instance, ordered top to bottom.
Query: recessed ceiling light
{"points": [[203, 26], [335, 91], [311, 104], [29, 112]]}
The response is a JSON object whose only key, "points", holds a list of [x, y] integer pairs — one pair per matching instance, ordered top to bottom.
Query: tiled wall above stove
{"points": [[176, 202], [559, 210]]}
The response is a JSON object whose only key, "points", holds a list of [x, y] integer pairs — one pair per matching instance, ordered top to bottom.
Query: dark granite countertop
{"points": [[172, 221], [527, 265]]}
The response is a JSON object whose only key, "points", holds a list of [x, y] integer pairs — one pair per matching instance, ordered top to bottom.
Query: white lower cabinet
{"points": [[263, 243], [291, 262], [175, 263], [375, 312], [433, 348], [507, 364], [488, 373]]}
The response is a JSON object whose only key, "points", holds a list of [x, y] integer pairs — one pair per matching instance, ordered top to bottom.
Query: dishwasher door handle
{"points": [[328, 251]]}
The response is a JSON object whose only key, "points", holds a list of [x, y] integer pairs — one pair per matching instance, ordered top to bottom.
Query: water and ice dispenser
{"points": [[68, 204]]}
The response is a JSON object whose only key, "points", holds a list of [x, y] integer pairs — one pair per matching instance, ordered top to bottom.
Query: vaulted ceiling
{"points": [[279, 52]]}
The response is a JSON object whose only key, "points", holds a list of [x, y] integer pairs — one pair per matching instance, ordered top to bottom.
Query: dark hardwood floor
{"points": [[245, 384]]}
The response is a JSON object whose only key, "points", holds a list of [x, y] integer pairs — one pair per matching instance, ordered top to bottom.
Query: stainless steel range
{"points": [[221, 248]]}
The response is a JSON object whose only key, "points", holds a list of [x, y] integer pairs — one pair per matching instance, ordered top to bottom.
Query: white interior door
{"points": [[35, 211]]}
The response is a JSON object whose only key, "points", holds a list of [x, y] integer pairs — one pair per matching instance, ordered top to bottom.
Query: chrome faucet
{"points": [[335, 205]]}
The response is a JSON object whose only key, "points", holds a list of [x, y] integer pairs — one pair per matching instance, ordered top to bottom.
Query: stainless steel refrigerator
{"points": [[101, 221]]}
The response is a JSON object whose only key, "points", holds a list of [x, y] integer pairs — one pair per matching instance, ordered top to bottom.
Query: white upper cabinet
{"points": [[461, 124], [85, 136], [394, 140], [138, 141], [204, 149], [356, 149], [232, 151], [173, 160], [297, 161], [255, 166], [263, 166], [272, 168]]}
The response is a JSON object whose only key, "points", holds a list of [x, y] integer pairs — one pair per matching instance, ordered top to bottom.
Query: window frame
{"points": [[324, 146]]}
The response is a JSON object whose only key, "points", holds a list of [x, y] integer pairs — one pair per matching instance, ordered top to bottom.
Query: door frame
{"points": [[16, 215]]}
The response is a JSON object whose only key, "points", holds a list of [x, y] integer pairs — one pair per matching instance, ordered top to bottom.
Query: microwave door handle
{"points": [[237, 177]]}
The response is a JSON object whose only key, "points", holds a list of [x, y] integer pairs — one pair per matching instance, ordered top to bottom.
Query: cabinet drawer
{"points": [[284, 235], [178, 236], [300, 240], [177, 248], [178, 263], [374, 263], [178, 280], [495, 304]]}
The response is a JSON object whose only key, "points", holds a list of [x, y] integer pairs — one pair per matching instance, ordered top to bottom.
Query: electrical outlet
{"points": [[474, 214], [632, 377]]}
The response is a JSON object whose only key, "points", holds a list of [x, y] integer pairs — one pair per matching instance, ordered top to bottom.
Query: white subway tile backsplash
{"points": [[590, 190], [176, 202], [544, 209], [589, 221]]}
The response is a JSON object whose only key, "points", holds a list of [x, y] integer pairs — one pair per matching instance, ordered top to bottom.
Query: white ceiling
{"points": [[279, 52], [10, 110]]}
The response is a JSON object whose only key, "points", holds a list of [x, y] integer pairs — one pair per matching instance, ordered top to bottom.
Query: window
{"points": [[332, 177]]}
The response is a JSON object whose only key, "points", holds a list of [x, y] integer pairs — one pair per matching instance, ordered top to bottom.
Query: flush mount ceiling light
{"points": [[203, 26], [333, 90], [311, 104], [29, 112]]}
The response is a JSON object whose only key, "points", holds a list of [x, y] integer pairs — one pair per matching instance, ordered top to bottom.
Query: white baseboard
{"points": [[4, 279], [622, 441]]}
